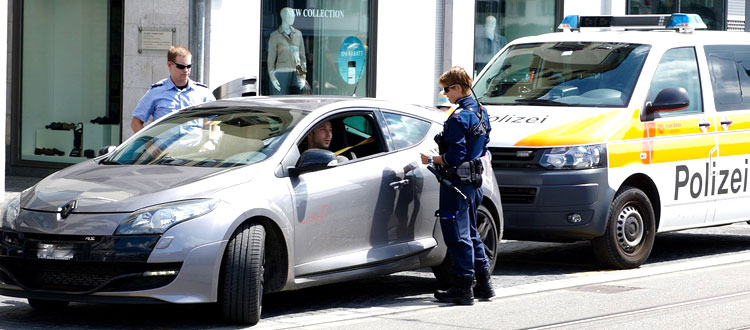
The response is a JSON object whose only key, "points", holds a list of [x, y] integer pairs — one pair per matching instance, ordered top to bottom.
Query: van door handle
{"points": [[726, 122], [704, 124]]}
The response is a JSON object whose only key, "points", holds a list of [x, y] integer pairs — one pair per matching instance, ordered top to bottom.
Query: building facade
{"points": [[77, 68]]}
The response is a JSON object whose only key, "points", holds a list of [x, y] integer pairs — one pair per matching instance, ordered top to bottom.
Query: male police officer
{"points": [[173, 93], [463, 141]]}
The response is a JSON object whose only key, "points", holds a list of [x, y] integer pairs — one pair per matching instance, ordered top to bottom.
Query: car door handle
{"points": [[725, 121], [704, 124], [399, 184]]}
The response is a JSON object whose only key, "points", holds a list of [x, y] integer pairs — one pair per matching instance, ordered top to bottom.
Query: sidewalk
{"points": [[14, 185]]}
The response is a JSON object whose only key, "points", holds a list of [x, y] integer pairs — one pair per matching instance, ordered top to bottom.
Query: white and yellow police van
{"points": [[619, 128]]}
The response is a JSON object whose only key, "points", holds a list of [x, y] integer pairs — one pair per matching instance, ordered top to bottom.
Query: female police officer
{"points": [[463, 141]]}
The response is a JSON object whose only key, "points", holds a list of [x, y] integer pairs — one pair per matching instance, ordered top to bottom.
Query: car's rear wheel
{"points": [[488, 232], [630, 233], [241, 295], [47, 306]]}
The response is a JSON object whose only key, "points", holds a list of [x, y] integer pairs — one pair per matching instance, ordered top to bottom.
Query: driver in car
{"points": [[320, 138]]}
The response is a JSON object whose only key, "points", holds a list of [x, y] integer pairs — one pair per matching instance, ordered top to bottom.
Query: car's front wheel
{"points": [[488, 232], [630, 233], [241, 294]]}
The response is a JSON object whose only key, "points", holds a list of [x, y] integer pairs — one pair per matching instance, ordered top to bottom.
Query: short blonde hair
{"points": [[175, 51], [456, 76]]}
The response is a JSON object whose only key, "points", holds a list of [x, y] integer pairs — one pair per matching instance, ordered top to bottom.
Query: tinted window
{"points": [[729, 67], [678, 68], [406, 131]]}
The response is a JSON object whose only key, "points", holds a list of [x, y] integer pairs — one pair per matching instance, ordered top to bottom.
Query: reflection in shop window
{"points": [[315, 47]]}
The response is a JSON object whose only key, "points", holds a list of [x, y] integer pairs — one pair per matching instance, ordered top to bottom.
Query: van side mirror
{"points": [[668, 99], [313, 160]]}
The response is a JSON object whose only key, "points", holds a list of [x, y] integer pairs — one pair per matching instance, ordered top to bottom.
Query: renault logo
{"points": [[66, 209]]}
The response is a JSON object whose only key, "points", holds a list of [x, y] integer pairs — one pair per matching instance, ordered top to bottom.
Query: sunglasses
{"points": [[182, 66], [446, 89]]}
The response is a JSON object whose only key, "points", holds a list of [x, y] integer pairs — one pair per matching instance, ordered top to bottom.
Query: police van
{"points": [[619, 128]]}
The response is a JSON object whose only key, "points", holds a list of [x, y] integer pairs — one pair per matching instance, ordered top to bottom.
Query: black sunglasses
{"points": [[182, 66], [446, 89]]}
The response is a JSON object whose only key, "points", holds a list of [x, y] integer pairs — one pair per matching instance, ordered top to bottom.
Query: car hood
{"points": [[536, 126], [124, 188]]}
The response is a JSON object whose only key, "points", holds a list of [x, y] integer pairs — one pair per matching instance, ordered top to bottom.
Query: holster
{"points": [[470, 172]]}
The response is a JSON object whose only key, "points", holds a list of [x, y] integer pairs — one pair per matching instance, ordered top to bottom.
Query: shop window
{"points": [[712, 12], [498, 22], [316, 47], [70, 79]]}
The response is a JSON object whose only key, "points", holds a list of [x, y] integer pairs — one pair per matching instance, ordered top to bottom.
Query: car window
{"points": [[729, 67], [678, 68], [592, 74], [406, 131], [353, 136], [214, 137]]}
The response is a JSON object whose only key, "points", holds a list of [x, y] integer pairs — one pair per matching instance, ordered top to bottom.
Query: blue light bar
{"points": [[688, 21], [570, 22]]}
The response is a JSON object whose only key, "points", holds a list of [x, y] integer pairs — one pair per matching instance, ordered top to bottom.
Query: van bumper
{"points": [[537, 203]]}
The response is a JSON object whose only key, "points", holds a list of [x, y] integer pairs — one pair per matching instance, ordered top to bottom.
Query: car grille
{"points": [[521, 158], [517, 195], [56, 275]]}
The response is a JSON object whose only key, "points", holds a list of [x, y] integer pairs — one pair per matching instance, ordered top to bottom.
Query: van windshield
{"points": [[590, 74]]}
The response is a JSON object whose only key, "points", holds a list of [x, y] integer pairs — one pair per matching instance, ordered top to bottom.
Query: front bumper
{"points": [[537, 203], [103, 269]]}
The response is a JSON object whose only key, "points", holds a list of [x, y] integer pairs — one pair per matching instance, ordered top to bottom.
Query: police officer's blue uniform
{"points": [[164, 97], [457, 215]]}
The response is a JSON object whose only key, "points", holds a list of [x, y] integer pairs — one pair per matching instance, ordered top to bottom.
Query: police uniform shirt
{"points": [[164, 97], [462, 148]]}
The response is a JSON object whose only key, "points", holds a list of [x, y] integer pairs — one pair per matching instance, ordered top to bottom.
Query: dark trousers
{"points": [[458, 220]]}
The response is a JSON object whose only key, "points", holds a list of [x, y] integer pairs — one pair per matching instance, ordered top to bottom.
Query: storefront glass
{"points": [[711, 11], [498, 22], [315, 47], [68, 108]]}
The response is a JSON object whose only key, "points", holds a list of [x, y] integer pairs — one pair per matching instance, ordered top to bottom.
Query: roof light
{"points": [[681, 22], [687, 22], [568, 23]]}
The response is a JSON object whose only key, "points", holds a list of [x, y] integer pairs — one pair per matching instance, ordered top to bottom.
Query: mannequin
{"points": [[487, 42], [287, 64]]}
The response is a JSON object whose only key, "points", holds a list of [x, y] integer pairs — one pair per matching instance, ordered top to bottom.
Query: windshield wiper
{"points": [[542, 102], [109, 162]]}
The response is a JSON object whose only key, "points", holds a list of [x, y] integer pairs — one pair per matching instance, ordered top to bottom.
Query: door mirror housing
{"points": [[668, 99], [313, 160]]}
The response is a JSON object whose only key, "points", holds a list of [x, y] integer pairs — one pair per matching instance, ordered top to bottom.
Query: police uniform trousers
{"points": [[459, 225]]}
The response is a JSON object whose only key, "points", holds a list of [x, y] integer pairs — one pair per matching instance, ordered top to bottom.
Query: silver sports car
{"points": [[228, 201]]}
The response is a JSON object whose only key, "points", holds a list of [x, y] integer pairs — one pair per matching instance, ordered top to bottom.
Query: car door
{"points": [[729, 69], [682, 144], [414, 205], [342, 211]]}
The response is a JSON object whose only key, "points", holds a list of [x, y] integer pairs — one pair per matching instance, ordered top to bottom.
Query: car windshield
{"points": [[590, 74], [209, 137]]}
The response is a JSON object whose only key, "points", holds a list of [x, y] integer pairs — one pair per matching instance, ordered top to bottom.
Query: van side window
{"points": [[729, 67], [678, 68]]}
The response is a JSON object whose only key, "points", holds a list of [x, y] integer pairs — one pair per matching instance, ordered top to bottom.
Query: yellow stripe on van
{"points": [[585, 131]]}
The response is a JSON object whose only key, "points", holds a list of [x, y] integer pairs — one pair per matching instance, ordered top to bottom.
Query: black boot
{"points": [[483, 289], [459, 294]]}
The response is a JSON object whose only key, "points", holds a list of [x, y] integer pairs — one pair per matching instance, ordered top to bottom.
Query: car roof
{"points": [[652, 37], [310, 103]]}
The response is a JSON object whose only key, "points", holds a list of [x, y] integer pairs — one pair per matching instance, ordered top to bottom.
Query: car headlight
{"points": [[577, 157], [11, 213], [158, 218]]}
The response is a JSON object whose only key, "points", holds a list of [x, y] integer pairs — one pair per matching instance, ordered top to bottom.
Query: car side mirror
{"points": [[668, 99], [105, 150], [313, 160]]}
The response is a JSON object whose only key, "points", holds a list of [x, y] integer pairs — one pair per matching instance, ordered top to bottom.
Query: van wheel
{"points": [[487, 228], [630, 233], [241, 294], [48, 306]]}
